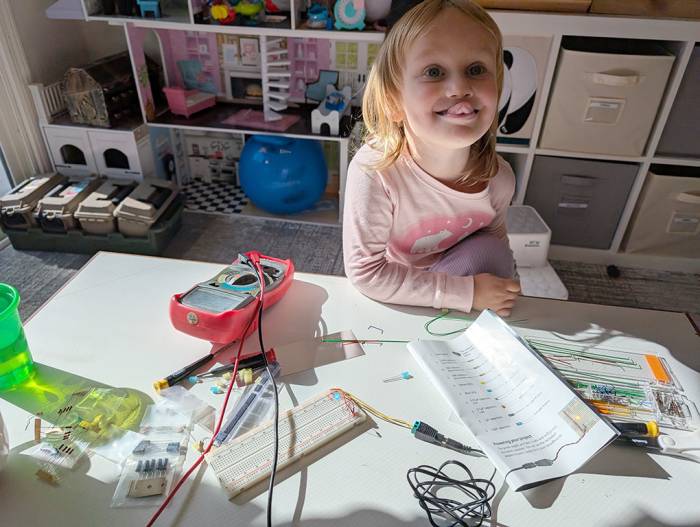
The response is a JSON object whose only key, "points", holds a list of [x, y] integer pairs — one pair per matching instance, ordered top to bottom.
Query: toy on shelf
{"points": [[149, 6], [222, 12], [226, 12], [349, 14], [318, 17], [274, 63], [103, 93], [186, 102], [332, 108], [282, 175]]}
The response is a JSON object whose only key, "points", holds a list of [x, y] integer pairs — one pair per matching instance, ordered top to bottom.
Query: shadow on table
{"points": [[303, 305], [598, 326], [49, 387], [615, 460], [643, 519]]}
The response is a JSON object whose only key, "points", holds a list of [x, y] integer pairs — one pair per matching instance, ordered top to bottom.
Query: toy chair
{"points": [[149, 6], [316, 91], [186, 102], [332, 108]]}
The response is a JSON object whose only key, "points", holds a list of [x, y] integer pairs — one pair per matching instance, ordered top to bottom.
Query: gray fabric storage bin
{"points": [[681, 135], [581, 200]]}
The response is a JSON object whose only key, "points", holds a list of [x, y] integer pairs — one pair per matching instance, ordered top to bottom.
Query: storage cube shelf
{"points": [[545, 42]]}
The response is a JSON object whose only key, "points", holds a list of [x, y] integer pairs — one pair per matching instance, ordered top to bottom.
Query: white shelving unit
{"points": [[679, 36]]}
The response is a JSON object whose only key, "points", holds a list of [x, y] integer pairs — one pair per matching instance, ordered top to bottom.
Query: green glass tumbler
{"points": [[16, 365]]}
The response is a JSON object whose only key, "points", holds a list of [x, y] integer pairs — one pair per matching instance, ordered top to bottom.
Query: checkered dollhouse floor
{"points": [[219, 197]]}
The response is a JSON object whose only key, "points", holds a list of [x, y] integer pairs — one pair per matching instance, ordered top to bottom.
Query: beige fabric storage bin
{"points": [[606, 95], [666, 221]]}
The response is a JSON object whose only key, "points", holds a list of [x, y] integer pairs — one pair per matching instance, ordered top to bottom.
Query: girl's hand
{"points": [[494, 293]]}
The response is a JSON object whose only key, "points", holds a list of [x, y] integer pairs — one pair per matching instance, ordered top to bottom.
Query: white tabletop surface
{"points": [[110, 325]]}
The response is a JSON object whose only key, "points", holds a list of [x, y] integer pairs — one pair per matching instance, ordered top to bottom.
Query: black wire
{"points": [[261, 276], [544, 462], [479, 491]]}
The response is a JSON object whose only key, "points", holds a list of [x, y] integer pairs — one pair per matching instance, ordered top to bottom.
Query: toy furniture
{"points": [[149, 6], [104, 93], [186, 102], [332, 108]]}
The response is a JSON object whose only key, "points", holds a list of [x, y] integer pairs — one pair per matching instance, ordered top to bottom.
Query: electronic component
{"points": [[220, 309], [249, 403], [427, 433], [247, 459], [142, 488]]}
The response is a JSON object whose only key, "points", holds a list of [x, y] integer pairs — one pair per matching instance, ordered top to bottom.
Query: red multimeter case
{"points": [[220, 309]]}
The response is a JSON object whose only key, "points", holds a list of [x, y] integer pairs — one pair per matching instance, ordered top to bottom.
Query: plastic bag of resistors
{"points": [[155, 463]]}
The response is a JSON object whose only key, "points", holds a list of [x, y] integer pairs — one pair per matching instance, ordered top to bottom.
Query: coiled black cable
{"points": [[427, 482]]}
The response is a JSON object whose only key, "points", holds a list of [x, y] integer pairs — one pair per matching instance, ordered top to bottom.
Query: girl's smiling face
{"points": [[449, 93]]}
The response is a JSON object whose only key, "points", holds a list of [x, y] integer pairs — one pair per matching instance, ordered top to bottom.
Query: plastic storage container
{"points": [[605, 95], [681, 133], [580, 200], [144, 205], [16, 207], [54, 212], [96, 212], [666, 220], [528, 236], [77, 241]]}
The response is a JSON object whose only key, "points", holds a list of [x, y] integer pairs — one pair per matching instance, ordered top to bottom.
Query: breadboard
{"points": [[247, 459]]}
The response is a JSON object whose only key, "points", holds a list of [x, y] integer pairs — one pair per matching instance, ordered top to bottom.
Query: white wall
{"points": [[53, 46]]}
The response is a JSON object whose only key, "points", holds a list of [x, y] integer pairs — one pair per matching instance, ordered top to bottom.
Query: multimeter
{"points": [[220, 309]]}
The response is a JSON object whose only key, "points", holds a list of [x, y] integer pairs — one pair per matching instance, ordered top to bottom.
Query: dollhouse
{"points": [[264, 66]]}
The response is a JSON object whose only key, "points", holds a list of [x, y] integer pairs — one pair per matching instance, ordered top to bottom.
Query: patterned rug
{"points": [[318, 249]]}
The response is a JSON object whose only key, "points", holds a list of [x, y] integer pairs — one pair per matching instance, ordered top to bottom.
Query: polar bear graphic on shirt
{"points": [[429, 243]]}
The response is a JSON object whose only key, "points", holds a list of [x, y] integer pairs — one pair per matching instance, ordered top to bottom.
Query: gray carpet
{"points": [[318, 249]]}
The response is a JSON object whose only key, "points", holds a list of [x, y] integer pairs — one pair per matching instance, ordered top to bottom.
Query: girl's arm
{"points": [[502, 190], [367, 227]]}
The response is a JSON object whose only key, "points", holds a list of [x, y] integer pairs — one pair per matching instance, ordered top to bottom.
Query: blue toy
{"points": [[149, 6], [349, 14], [318, 17], [282, 175]]}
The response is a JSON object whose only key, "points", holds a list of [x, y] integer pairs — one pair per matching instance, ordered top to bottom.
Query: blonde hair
{"points": [[381, 101]]}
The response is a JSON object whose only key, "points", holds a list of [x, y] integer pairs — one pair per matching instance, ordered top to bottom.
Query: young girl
{"points": [[426, 196]]}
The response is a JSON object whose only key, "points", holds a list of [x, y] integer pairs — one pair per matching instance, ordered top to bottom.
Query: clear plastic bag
{"points": [[184, 402], [155, 463]]}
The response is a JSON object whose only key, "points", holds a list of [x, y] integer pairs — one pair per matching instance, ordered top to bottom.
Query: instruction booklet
{"points": [[530, 423]]}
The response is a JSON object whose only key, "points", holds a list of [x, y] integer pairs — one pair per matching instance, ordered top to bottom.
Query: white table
{"points": [[110, 324]]}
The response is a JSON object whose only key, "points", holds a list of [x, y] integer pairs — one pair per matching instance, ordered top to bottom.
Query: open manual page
{"points": [[530, 423]]}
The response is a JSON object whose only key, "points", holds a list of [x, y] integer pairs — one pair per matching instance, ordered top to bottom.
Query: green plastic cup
{"points": [[16, 365]]}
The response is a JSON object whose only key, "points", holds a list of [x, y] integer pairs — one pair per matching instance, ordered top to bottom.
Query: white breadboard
{"points": [[246, 460]]}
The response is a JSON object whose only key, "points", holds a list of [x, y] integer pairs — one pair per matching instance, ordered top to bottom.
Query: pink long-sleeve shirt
{"points": [[399, 221]]}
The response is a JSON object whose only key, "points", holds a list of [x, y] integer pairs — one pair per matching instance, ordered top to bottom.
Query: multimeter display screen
{"points": [[207, 300]]}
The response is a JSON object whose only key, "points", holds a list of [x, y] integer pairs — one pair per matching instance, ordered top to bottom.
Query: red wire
{"points": [[218, 426]]}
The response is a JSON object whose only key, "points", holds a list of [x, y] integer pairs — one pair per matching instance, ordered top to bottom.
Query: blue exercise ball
{"points": [[282, 175]]}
